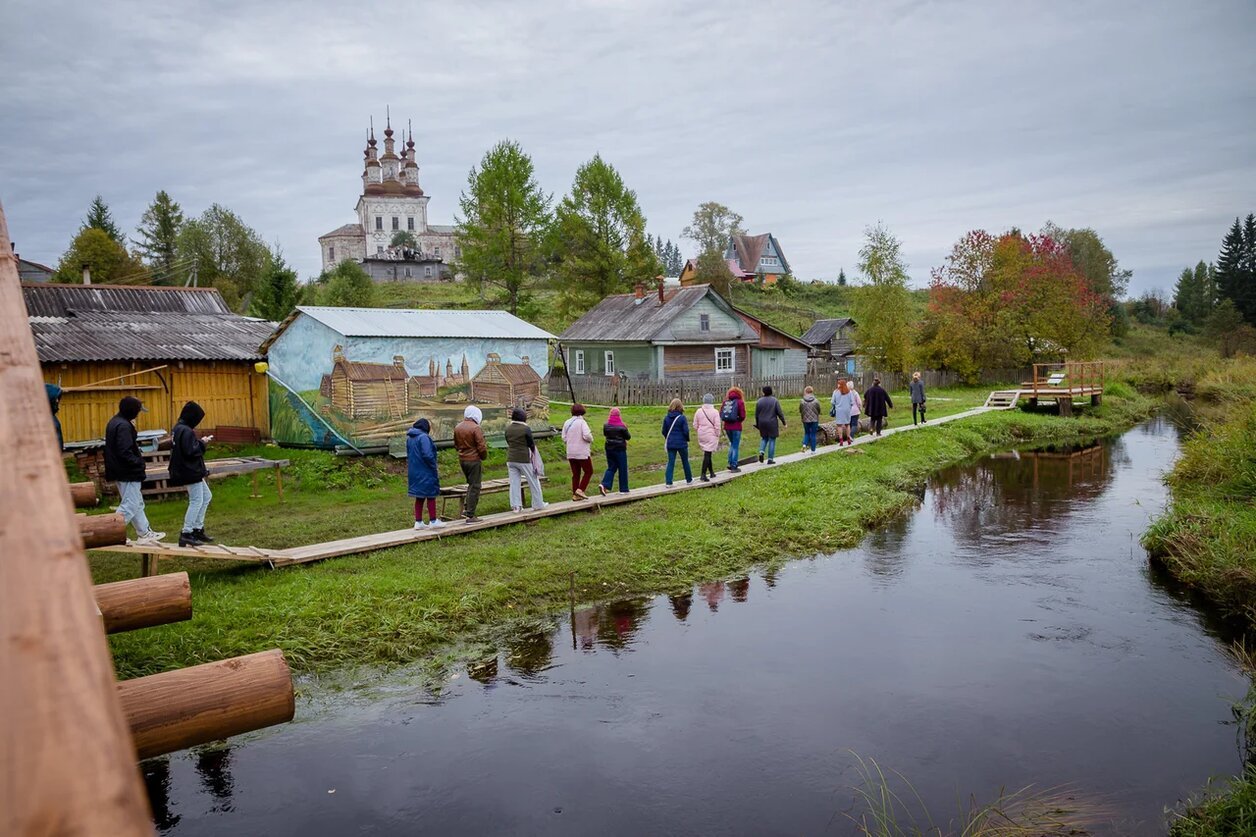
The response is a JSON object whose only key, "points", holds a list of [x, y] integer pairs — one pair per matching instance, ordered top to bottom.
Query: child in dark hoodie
{"points": [[187, 467]]}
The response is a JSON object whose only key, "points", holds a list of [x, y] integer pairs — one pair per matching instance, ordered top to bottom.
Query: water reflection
{"points": [[739, 589], [713, 593], [681, 604], [530, 649], [484, 670], [213, 765], [157, 780]]}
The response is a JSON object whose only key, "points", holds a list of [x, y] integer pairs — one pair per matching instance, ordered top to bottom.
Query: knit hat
{"points": [[708, 399], [474, 413]]}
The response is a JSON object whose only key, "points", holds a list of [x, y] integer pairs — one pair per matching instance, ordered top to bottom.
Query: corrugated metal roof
{"points": [[52, 300], [621, 318], [416, 322], [822, 331], [112, 335]]}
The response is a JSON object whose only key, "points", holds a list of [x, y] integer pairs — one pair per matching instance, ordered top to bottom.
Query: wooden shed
{"points": [[163, 345], [510, 384], [369, 390]]}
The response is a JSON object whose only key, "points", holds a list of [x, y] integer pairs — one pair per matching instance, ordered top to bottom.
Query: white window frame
{"points": [[772, 261], [427, 270], [726, 352], [577, 360], [608, 363]]}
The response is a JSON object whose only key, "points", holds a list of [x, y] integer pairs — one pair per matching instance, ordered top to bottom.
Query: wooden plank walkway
{"points": [[401, 537]]}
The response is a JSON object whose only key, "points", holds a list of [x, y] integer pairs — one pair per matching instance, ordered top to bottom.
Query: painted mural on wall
{"points": [[370, 403]]}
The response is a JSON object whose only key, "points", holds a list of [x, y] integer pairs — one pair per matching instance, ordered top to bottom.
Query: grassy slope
{"points": [[400, 604]]}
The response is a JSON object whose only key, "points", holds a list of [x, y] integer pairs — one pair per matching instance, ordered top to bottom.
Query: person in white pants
{"points": [[520, 448]]}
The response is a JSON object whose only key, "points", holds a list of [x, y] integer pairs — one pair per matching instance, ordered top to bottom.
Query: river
{"points": [[1007, 632]]}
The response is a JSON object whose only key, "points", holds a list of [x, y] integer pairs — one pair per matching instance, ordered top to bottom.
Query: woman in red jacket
{"points": [[732, 414]]}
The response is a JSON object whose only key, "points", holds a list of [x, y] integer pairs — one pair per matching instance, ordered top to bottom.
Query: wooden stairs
{"points": [[1002, 399]]}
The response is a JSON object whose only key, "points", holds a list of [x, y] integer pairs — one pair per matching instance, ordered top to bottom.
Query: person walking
{"points": [[917, 388], [843, 401], [877, 405], [855, 409], [809, 412], [733, 415], [769, 418], [706, 422], [617, 436], [578, 438], [676, 440], [520, 446], [472, 451], [125, 467], [187, 467], [424, 478]]}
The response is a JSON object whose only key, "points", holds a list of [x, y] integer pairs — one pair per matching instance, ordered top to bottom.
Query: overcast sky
{"points": [[812, 120]]}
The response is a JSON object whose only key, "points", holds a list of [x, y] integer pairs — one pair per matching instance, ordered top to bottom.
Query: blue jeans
{"points": [[854, 426], [810, 429], [768, 445], [734, 447], [683, 453], [616, 463], [199, 496], [132, 507]]}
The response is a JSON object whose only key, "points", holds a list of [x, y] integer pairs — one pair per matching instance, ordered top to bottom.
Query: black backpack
{"points": [[729, 414]]}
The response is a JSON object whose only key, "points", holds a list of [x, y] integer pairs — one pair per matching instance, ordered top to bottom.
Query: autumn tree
{"points": [[99, 217], [504, 221], [159, 237], [600, 243], [219, 250], [107, 261], [278, 291], [881, 304]]}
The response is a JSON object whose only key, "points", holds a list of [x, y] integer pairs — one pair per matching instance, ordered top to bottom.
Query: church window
{"points": [[379, 222], [396, 223], [410, 223], [379, 249], [436, 252], [331, 253], [427, 271]]}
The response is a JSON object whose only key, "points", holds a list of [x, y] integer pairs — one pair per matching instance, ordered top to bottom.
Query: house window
{"points": [[379, 222], [396, 223], [410, 223], [379, 249], [331, 253], [770, 260], [427, 271], [408, 273], [704, 322], [577, 360], [724, 360], [610, 363]]}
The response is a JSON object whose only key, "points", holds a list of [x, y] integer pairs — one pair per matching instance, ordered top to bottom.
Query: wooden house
{"points": [[749, 258], [833, 339], [166, 346], [777, 352], [507, 384], [367, 390]]}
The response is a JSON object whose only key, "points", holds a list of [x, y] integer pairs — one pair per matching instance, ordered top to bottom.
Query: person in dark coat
{"points": [[917, 388], [54, 403], [877, 405], [769, 418], [617, 436], [676, 440], [125, 467], [187, 467], [423, 477]]}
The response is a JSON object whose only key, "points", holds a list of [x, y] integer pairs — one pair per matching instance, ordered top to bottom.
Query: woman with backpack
{"points": [[732, 414], [706, 421], [617, 436], [676, 439], [579, 441]]}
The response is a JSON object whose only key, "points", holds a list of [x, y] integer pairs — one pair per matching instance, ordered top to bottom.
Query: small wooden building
{"points": [[833, 339], [166, 346], [508, 384], [367, 390]]}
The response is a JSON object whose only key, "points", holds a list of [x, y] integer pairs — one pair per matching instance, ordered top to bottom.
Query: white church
{"points": [[392, 202]]}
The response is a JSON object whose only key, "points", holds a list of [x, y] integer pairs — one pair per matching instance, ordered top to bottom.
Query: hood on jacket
{"points": [[809, 397], [130, 407], [474, 413], [192, 414], [420, 426]]}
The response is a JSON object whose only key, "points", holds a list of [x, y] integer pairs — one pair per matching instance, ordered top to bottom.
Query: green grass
{"points": [[403, 604], [1225, 809]]}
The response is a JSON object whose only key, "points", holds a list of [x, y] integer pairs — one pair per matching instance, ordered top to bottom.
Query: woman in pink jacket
{"points": [[706, 420], [579, 441]]}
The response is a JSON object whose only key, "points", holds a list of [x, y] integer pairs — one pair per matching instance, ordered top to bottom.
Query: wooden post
{"points": [[279, 481], [83, 494], [254, 495], [102, 530], [148, 564], [144, 602], [179, 709], [65, 752]]}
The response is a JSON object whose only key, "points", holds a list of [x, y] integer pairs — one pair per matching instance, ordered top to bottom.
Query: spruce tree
{"points": [[99, 217], [159, 236], [1230, 264], [841, 277], [1246, 298]]}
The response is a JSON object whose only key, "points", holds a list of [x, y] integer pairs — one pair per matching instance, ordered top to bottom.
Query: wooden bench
{"points": [[450, 492]]}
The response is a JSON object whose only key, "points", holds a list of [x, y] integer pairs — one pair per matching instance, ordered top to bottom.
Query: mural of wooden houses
{"points": [[508, 384], [361, 390]]}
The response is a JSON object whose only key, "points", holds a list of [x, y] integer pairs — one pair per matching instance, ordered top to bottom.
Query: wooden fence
{"points": [[591, 389]]}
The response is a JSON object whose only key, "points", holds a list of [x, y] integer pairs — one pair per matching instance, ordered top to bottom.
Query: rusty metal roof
{"points": [[53, 300], [163, 335]]}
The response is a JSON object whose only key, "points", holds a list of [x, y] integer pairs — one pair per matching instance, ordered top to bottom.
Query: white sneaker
{"points": [[541, 507], [419, 524], [436, 524], [150, 538]]}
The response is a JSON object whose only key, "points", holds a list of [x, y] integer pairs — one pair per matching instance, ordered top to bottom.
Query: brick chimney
{"points": [[660, 280], [640, 290]]}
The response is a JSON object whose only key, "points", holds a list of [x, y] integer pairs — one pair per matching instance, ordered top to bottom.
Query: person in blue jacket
{"points": [[676, 434], [421, 469]]}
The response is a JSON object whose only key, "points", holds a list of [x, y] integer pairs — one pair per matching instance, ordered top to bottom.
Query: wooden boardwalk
{"points": [[401, 537]]}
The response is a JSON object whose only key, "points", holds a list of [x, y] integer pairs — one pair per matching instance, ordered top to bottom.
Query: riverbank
{"points": [[401, 604]]}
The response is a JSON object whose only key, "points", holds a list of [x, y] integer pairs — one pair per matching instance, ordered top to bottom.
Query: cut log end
{"points": [[84, 494], [102, 530], [144, 602]]}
